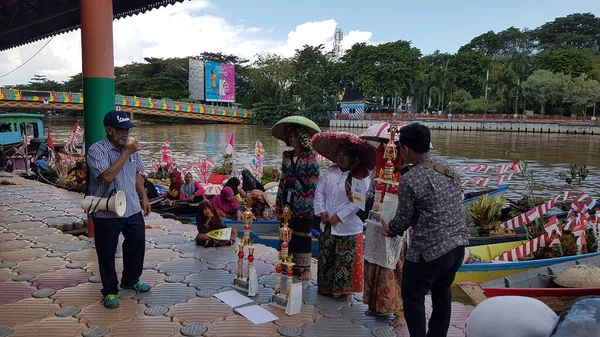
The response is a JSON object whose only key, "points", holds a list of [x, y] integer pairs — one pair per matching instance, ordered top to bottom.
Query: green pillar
{"points": [[98, 66]]}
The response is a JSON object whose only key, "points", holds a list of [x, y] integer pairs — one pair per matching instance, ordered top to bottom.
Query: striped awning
{"points": [[27, 21]]}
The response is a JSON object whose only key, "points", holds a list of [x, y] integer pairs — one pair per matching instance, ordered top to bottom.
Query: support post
{"points": [[98, 71]]}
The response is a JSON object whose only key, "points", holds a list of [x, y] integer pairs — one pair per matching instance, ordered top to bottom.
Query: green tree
{"points": [[577, 30], [568, 60], [469, 69], [385, 70], [73, 84], [544, 86], [582, 93]]}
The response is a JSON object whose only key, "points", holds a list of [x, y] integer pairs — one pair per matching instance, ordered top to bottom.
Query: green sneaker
{"points": [[141, 287], [111, 301]]}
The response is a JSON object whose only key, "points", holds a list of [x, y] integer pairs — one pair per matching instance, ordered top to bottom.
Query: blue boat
{"points": [[13, 126], [267, 232]]}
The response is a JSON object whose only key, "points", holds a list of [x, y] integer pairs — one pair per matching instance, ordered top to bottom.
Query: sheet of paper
{"points": [[359, 192], [232, 298], [257, 314]]}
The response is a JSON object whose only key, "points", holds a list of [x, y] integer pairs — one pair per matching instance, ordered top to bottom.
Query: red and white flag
{"points": [[231, 146], [51, 154], [516, 167], [552, 225]]}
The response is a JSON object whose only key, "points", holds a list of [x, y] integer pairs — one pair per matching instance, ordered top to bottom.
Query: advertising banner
{"points": [[220, 82]]}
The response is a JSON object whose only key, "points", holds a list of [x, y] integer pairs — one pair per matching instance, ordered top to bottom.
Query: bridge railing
{"points": [[48, 97]]}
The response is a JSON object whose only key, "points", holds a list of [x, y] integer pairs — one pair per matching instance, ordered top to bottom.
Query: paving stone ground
{"points": [[36, 258]]}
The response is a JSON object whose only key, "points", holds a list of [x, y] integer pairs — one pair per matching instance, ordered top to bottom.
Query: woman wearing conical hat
{"points": [[297, 184]]}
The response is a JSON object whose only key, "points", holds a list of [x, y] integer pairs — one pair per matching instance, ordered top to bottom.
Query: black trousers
{"points": [[107, 232], [417, 280]]}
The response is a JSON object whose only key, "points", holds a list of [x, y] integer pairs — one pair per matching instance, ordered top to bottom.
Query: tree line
{"points": [[553, 69]]}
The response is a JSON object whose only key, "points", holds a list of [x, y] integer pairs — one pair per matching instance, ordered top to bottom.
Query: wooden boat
{"points": [[14, 125], [472, 196], [480, 272], [535, 284]]}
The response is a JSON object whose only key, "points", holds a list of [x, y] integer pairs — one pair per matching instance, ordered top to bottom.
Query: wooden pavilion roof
{"points": [[26, 21]]}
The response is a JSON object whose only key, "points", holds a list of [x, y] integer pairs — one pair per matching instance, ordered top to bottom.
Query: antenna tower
{"points": [[337, 43]]}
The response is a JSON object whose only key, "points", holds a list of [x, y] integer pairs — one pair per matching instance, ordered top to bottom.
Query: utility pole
{"points": [[487, 78], [443, 83]]}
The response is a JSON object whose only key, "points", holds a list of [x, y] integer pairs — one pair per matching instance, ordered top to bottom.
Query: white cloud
{"points": [[180, 30]]}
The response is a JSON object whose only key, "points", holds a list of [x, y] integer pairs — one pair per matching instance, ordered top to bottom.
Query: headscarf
{"points": [[303, 135], [358, 170], [249, 182], [233, 183], [176, 185], [189, 189], [220, 201], [215, 221]]}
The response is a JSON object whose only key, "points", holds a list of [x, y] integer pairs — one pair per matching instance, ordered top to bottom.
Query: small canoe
{"points": [[472, 196], [480, 272], [533, 283]]}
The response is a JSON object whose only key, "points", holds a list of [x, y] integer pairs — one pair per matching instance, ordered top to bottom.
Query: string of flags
{"points": [[505, 173], [534, 213], [577, 222]]}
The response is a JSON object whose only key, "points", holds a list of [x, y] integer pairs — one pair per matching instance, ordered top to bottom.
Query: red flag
{"points": [[230, 147], [51, 153]]}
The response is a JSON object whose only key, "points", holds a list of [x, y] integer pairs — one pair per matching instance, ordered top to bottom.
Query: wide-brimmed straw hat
{"points": [[278, 130], [327, 143], [580, 276]]}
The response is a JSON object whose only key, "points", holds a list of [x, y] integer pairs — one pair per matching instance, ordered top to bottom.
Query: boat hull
{"points": [[483, 272], [557, 299]]}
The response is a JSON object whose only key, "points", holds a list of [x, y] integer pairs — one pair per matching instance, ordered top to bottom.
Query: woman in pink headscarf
{"points": [[227, 205]]}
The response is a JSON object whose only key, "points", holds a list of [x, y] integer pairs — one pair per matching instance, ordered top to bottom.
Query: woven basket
{"points": [[580, 276]]}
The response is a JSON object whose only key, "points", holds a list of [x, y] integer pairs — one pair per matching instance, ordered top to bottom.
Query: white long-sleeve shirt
{"points": [[331, 197]]}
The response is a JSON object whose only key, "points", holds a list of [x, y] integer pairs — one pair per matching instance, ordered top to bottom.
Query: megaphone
{"points": [[115, 203]]}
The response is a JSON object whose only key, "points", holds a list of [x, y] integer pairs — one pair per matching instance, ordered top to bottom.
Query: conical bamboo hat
{"points": [[580, 276]]}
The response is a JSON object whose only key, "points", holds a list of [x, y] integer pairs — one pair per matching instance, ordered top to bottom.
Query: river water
{"points": [[546, 154]]}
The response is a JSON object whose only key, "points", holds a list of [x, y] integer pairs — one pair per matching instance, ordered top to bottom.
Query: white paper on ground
{"points": [[232, 298], [294, 304], [256, 314]]}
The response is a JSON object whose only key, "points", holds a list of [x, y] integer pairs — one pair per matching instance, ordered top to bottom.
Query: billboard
{"points": [[196, 80], [220, 82]]}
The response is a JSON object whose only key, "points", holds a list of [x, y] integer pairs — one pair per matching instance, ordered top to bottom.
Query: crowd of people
{"points": [[428, 231]]}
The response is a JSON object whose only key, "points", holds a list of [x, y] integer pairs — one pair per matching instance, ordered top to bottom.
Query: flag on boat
{"points": [[71, 142], [230, 147], [51, 154]]}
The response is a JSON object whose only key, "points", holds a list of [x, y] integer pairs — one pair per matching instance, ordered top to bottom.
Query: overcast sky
{"points": [[246, 28]]}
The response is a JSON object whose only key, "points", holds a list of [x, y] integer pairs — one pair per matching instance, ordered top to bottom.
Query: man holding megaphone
{"points": [[114, 170]]}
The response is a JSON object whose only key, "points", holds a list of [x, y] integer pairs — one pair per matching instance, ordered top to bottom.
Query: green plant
{"points": [[226, 166], [270, 173], [527, 174], [577, 174], [485, 212]]}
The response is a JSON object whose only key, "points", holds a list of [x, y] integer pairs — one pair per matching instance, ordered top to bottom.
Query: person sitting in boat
{"points": [[76, 176], [250, 183], [234, 184], [150, 188], [174, 188], [191, 191], [226, 205], [261, 208], [207, 220]]}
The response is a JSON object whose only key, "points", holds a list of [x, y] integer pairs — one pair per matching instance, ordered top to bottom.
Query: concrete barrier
{"points": [[481, 126]]}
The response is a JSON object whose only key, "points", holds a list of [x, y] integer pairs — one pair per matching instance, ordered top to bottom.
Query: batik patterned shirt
{"points": [[298, 182], [432, 204]]}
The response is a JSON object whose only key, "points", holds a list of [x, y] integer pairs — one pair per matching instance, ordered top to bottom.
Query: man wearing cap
{"points": [[115, 165], [430, 201]]}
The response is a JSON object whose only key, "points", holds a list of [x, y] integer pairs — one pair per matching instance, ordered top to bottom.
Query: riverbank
{"points": [[503, 126], [49, 282]]}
